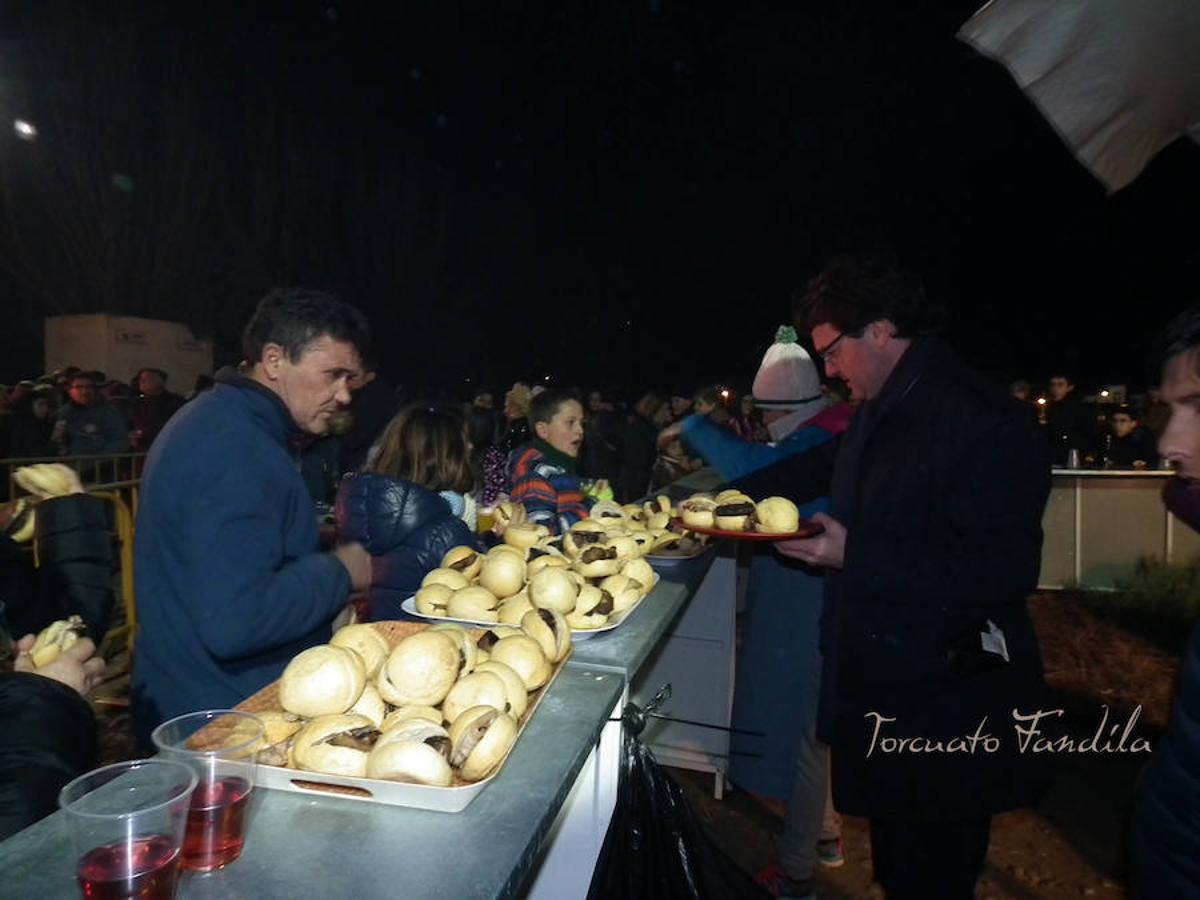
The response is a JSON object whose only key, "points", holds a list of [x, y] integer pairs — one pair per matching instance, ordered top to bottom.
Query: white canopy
{"points": [[1118, 79]]}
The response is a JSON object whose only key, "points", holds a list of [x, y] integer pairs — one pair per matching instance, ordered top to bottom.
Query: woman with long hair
{"points": [[410, 503]]}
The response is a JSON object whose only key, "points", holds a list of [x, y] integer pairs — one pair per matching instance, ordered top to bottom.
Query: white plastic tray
{"points": [[666, 562], [582, 634], [374, 790]]}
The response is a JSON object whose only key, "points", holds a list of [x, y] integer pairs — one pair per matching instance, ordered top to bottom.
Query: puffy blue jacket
{"points": [[405, 527]]}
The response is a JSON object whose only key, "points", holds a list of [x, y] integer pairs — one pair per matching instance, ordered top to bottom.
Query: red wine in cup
{"points": [[216, 824], [145, 868]]}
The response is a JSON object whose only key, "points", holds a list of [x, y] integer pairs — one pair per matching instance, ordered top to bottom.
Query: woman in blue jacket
{"points": [[410, 503], [779, 663]]}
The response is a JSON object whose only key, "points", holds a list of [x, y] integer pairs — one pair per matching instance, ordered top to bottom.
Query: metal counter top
{"points": [[1112, 473], [303, 846]]}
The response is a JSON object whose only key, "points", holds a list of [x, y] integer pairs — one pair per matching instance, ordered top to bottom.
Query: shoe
{"points": [[831, 853], [779, 883]]}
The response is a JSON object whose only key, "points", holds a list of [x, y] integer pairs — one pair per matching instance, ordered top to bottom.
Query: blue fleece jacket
{"points": [[735, 458], [230, 582]]}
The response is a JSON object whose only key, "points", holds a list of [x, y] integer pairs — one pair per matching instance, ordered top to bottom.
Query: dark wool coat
{"points": [[941, 482], [75, 577], [47, 737]]}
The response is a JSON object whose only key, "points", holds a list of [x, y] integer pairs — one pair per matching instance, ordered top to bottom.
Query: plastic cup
{"points": [[485, 518], [221, 746], [127, 822]]}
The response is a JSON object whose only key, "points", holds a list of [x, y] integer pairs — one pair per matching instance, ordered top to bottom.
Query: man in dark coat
{"points": [[372, 405], [152, 408], [1070, 422], [602, 444], [1132, 445], [639, 448], [931, 547], [1166, 824]]}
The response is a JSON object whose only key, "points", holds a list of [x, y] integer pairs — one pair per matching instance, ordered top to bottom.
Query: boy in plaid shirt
{"points": [[543, 472]]}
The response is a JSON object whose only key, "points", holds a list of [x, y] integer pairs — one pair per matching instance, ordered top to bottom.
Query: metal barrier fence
{"points": [[116, 480]]}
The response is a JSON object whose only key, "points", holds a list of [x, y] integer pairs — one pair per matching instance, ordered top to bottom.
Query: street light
{"points": [[25, 130]]}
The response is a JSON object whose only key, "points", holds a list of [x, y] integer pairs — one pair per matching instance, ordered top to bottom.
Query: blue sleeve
{"points": [[735, 458], [439, 539], [233, 543]]}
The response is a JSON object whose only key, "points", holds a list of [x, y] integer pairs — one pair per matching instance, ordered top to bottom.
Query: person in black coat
{"points": [[372, 405], [152, 408], [1070, 422], [32, 425], [602, 443], [1132, 445], [639, 448], [932, 545], [75, 574], [47, 729], [1166, 824]]}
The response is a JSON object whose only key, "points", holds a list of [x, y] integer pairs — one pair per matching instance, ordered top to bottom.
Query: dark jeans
{"points": [[929, 859]]}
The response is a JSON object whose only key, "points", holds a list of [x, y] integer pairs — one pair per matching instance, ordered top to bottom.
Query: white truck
{"points": [[121, 345]]}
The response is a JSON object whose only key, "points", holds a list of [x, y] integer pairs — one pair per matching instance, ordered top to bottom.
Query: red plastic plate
{"points": [[807, 529]]}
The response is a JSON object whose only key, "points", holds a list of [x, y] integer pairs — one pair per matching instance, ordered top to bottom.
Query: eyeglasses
{"points": [[827, 353]]}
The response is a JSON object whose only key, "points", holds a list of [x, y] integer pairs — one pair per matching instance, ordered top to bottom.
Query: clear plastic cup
{"points": [[221, 746], [127, 822]]}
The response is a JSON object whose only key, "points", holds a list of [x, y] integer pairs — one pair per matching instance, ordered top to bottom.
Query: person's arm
{"points": [[734, 457], [801, 477], [539, 498], [75, 546], [248, 597], [47, 732]]}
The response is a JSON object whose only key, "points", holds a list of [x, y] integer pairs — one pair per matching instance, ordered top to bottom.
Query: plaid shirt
{"points": [[550, 494]]}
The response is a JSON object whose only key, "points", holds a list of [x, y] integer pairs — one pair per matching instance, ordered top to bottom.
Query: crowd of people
{"points": [[72, 412], [1102, 433], [907, 612]]}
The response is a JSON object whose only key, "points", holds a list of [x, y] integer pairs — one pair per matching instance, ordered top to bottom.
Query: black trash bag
{"points": [[655, 848]]}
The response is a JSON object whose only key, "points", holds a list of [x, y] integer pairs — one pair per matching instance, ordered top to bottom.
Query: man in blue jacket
{"points": [[230, 580]]}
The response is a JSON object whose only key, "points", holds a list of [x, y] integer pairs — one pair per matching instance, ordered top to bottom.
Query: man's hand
{"points": [[670, 434], [827, 549], [357, 562], [77, 667]]}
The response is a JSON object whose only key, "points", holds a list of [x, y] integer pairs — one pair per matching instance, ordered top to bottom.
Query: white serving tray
{"points": [[666, 562], [581, 634], [451, 799]]}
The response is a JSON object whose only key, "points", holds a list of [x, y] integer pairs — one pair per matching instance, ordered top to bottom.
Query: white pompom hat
{"points": [[787, 378]]}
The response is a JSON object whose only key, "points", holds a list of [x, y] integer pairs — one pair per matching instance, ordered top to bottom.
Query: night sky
{"points": [[610, 193]]}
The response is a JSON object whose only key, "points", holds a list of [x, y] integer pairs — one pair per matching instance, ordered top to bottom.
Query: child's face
{"points": [[564, 432]]}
